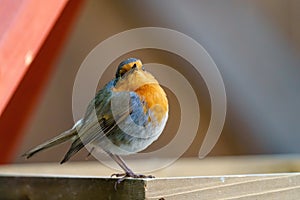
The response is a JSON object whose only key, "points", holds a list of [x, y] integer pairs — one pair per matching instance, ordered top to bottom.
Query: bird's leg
{"points": [[122, 164], [127, 170]]}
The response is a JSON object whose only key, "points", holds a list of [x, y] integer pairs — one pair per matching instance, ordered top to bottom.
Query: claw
{"points": [[118, 175], [128, 175]]}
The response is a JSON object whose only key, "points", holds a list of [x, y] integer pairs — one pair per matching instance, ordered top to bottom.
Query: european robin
{"points": [[125, 117]]}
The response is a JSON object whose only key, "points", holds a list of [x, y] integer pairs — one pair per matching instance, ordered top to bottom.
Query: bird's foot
{"points": [[129, 175], [132, 175]]}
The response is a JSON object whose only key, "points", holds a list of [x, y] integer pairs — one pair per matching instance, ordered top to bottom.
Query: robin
{"points": [[125, 117]]}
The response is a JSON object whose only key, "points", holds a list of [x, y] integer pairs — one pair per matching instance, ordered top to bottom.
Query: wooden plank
{"points": [[28, 49], [211, 178], [263, 186], [35, 188]]}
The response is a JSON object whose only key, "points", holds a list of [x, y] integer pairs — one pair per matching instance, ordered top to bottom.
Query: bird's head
{"points": [[127, 65]]}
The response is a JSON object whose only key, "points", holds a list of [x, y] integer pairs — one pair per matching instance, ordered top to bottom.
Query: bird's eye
{"points": [[122, 72]]}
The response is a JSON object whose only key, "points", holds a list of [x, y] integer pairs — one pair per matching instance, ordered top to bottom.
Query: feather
{"points": [[106, 122], [62, 138]]}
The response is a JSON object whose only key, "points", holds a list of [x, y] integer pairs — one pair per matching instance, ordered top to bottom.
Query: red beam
{"points": [[24, 27], [29, 42]]}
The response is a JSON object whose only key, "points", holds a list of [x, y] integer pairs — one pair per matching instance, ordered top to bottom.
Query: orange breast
{"points": [[156, 99]]}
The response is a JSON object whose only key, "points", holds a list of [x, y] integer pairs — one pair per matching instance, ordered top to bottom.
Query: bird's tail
{"points": [[63, 137]]}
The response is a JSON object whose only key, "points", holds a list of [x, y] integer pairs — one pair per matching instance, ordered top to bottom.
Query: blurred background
{"points": [[254, 43]]}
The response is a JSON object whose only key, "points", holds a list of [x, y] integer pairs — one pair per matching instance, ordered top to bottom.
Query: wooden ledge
{"points": [[251, 177], [262, 186]]}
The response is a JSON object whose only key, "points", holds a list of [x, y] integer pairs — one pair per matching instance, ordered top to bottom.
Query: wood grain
{"points": [[246, 177], [262, 186]]}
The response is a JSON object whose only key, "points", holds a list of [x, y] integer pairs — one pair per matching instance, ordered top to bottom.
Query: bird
{"points": [[127, 115]]}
